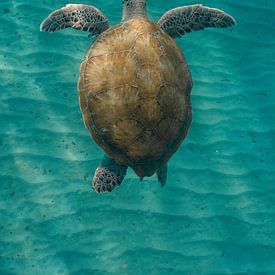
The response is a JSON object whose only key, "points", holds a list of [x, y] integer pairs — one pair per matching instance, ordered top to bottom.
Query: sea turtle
{"points": [[134, 85]]}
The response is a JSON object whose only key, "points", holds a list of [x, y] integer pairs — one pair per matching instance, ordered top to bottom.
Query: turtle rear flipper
{"points": [[77, 16], [162, 174], [109, 175]]}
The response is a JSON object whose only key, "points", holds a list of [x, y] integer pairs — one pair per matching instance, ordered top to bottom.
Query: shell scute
{"points": [[113, 39], [153, 49], [109, 71], [149, 80], [172, 103], [113, 104], [149, 113], [168, 129], [126, 132], [147, 145]]}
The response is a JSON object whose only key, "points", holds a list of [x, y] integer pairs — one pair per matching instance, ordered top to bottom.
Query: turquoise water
{"points": [[216, 214]]}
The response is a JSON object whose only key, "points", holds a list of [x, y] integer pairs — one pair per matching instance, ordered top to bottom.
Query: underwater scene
{"points": [[216, 212]]}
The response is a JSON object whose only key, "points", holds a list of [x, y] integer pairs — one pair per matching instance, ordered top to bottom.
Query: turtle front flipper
{"points": [[77, 16], [179, 21], [162, 174], [109, 175]]}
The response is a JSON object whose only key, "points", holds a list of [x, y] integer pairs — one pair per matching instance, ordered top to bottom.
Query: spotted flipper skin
{"points": [[77, 16], [179, 21], [162, 174], [109, 175]]}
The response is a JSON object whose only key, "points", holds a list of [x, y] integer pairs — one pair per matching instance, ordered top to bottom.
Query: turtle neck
{"points": [[134, 9]]}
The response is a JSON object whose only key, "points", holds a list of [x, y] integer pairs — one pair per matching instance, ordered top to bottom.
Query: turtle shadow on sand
{"points": [[134, 85]]}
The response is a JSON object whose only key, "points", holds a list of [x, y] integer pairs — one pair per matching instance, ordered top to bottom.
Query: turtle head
{"points": [[133, 9]]}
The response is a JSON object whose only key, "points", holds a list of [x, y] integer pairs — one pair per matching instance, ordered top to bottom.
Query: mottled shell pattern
{"points": [[134, 90]]}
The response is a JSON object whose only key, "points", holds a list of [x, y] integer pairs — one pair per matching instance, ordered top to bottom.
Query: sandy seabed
{"points": [[215, 215]]}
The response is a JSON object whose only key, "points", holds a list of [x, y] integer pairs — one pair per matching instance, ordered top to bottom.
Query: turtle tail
{"points": [[108, 175]]}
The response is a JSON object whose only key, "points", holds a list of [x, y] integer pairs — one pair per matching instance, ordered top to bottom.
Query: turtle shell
{"points": [[134, 91]]}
